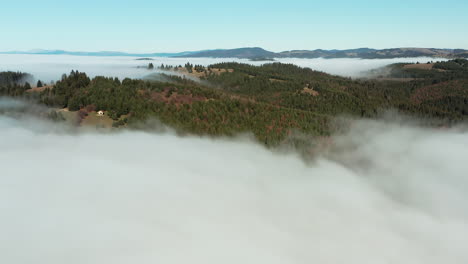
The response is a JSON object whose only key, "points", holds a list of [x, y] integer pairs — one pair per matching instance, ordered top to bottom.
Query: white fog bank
{"points": [[51, 67], [390, 194]]}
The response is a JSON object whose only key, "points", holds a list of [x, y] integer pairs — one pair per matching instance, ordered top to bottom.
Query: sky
{"points": [[172, 26]]}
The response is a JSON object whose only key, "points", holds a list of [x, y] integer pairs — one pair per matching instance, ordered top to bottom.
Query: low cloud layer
{"points": [[51, 67], [353, 67], [385, 193]]}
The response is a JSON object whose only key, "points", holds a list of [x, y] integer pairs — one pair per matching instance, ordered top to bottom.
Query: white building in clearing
{"points": [[100, 113]]}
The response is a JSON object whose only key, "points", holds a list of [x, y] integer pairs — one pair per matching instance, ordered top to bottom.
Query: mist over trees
{"points": [[14, 83], [271, 101]]}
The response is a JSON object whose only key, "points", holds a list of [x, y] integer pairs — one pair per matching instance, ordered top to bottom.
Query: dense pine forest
{"points": [[271, 101]]}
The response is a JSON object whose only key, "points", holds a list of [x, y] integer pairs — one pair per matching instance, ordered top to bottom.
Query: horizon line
{"points": [[38, 50]]}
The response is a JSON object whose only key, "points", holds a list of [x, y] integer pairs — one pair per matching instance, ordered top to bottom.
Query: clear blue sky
{"points": [[179, 25]]}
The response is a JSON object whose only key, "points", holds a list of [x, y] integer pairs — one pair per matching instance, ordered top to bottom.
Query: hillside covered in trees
{"points": [[271, 101]]}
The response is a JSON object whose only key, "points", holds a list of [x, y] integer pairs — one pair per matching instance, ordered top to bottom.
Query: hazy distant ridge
{"points": [[256, 52], [97, 53], [366, 53]]}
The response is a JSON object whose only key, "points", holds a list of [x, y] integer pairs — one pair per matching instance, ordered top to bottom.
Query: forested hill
{"points": [[271, 101]]}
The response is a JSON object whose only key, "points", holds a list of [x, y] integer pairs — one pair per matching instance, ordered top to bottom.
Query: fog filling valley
{"points": [[51, 67], [386, 192]]}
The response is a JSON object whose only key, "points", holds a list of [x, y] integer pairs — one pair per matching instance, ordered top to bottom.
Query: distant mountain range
{"points": [[255, 52], [96, 53], [244, 53], [366, 53]]}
